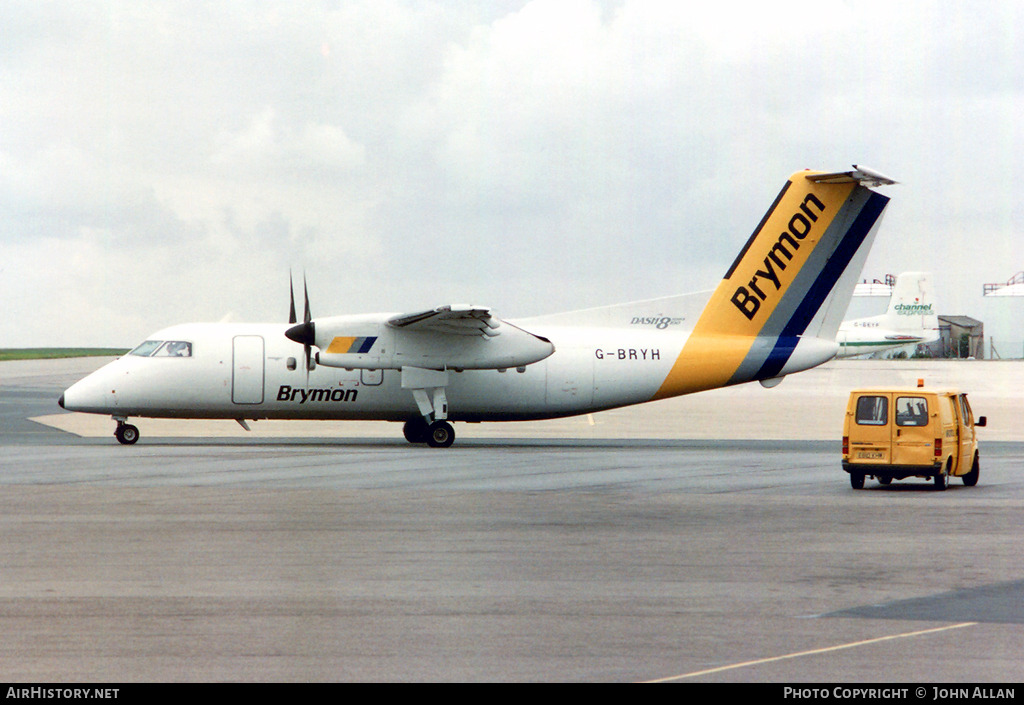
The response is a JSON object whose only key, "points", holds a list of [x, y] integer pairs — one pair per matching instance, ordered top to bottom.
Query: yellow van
{"points": [[894, 434]]}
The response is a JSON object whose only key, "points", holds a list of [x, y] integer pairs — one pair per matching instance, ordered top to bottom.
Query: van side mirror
{"points": [[982, 421]]}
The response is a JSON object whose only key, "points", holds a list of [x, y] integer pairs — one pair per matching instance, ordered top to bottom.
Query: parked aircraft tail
{"points": [[780, 305], [912, 305], [910, 319]]}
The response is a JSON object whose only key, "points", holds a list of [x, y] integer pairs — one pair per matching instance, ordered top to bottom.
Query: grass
{"points": [[54, 353]]}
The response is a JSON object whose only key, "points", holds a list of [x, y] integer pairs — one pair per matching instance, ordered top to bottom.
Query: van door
{"points": [[965, 430], [913, 436], [870, 437]]}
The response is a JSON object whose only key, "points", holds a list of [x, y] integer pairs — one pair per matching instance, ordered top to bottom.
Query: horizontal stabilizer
{"points": [[860, 175]]}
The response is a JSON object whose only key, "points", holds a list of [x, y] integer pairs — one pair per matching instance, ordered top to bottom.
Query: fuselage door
{"points": [[247, 370]]}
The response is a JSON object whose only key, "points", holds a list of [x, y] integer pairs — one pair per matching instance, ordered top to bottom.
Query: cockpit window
{"points": [[147, 348], [160, 348], [174, 348]]}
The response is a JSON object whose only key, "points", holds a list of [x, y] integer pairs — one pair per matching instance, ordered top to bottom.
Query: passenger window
{"points": [[174, 348], [873, 411], [911, 411]]}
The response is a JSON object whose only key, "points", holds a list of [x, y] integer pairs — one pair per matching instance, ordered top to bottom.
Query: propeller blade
{"points": [[291, 291], [305, 291], [308, 318], [303, 333]]}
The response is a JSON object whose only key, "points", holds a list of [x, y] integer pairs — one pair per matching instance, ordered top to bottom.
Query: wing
{"points": [[456, 319]]}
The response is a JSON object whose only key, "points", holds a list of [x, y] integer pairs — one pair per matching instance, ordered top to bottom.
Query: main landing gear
{"points": [[428, 390], [125, 433], [438, 434]]}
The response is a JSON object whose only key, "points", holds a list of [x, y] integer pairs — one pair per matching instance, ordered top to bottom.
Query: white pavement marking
{"points": [[810, 653]]}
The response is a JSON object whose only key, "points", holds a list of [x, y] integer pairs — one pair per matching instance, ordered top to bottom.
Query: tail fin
{"points": [[791, 284], [912, 305]]}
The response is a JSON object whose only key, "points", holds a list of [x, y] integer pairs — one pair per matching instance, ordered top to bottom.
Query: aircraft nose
{"points": [[61, 401]]}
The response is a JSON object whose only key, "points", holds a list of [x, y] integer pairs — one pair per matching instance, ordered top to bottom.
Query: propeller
{"points": [[291, 291], [305, 332]]}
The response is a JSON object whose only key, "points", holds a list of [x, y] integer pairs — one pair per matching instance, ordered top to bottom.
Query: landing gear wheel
{"points": [[416, 430], [126, 433], [441, 435], [971, 478], [857, 480]]}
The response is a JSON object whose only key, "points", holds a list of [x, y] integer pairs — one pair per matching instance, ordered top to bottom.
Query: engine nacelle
{"points": [[355, 342]]}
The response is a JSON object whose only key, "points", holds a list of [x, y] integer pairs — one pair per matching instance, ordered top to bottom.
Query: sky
{"points": [[171, 162]]}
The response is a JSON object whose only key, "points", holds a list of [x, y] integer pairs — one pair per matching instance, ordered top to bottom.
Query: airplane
{"points": [[776, 312], [910, 319]]}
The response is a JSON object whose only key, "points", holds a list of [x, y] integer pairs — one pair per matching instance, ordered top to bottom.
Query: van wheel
{"points": [[971, 478], [857, 480], [941, 480]]}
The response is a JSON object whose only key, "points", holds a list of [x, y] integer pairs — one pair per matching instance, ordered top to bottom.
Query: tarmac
{"points": [[709, 538]]}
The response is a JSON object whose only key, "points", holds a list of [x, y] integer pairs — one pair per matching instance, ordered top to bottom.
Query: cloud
{"points": [[530, 156]]}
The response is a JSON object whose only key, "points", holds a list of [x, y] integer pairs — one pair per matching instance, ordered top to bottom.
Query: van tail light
{"points": [[846, 445], [938, 447]]}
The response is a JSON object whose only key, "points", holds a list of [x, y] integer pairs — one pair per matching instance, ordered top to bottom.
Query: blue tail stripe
{"points": [[822, 287]]}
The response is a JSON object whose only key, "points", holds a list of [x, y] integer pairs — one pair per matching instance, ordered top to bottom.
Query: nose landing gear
{"points": [[125, 433]]}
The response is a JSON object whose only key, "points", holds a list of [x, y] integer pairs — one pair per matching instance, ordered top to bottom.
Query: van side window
{"points": [[873, 411], [911, 411], [967, 415]]}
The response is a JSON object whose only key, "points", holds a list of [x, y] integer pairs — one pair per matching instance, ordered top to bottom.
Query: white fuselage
{"points": [[866, 337], [241, 371]]}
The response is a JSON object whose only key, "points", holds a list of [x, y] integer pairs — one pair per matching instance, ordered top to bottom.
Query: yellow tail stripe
{"points": [[746, 298]]}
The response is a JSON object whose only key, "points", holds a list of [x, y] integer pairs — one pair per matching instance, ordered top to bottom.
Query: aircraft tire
{"points": [[416, 431], [126, 434], [441, 435], [971, 478]]}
